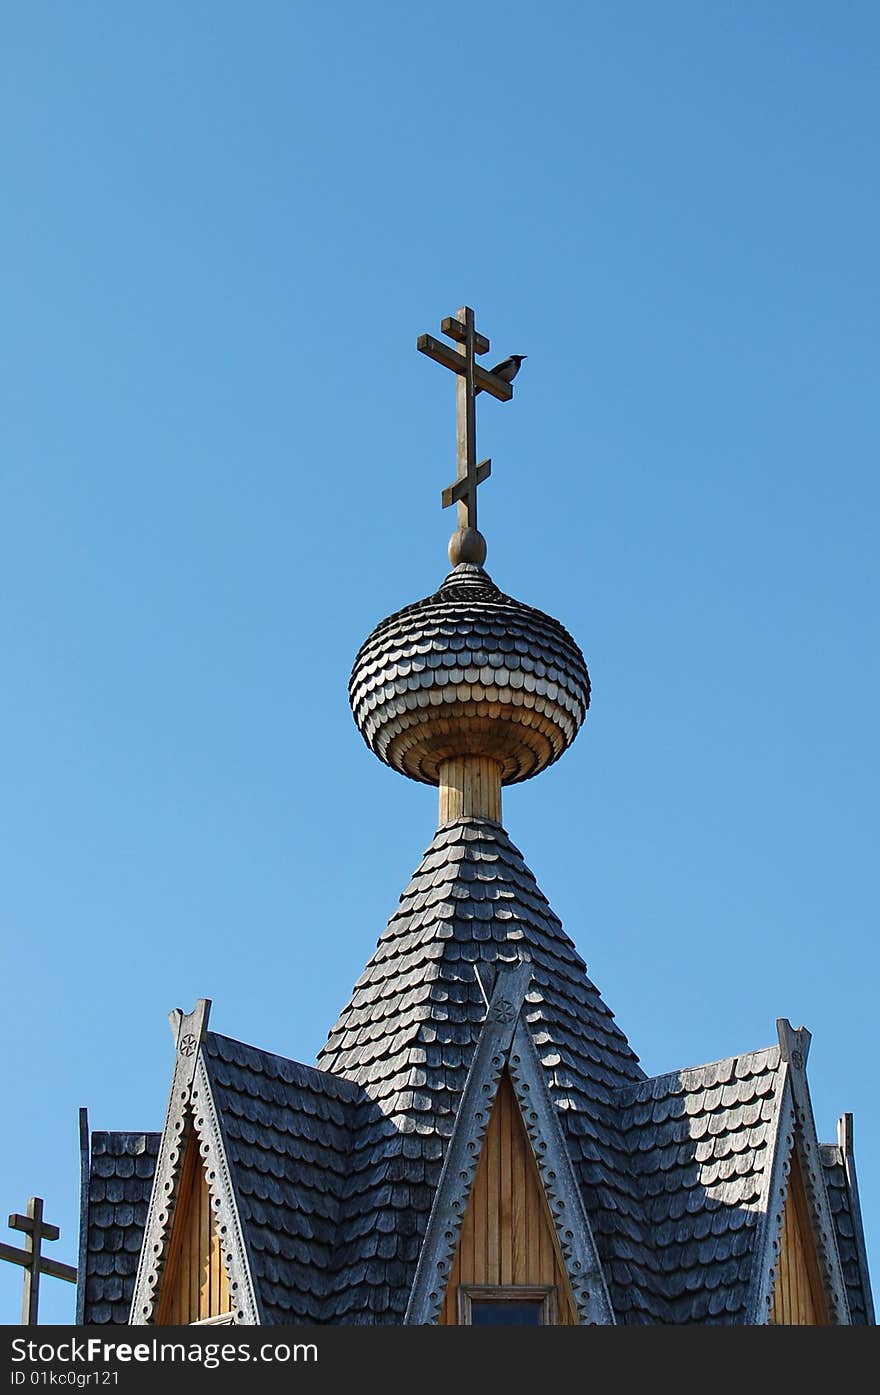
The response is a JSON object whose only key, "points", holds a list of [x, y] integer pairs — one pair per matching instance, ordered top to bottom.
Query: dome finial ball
{"points": [[467, 545]]}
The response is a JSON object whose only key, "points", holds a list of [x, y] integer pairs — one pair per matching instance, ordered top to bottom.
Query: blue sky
{"points": [[223, 230]]}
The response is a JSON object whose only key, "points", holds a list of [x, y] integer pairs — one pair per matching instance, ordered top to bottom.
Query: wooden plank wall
{"points": [[507, 1235], [195, 1283], [798, 1299]]}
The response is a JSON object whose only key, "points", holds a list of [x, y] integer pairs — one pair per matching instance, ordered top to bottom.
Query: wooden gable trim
{"points": [[505, 1041], [794, 1046], [191, 1107], [794, 1137], [464, 1147], [560, 1185], [772, 1205], [507, 1241], [236, 1253], [195, 1284], [799, 1298]]}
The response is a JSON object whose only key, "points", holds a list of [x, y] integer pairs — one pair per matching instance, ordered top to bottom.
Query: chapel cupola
{"points": [[469, 689], [477, 1142]]}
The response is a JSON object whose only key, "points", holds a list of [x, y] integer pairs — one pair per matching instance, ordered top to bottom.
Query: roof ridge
{"points": [[313, 1072], [679, 1073], [128, 1136]]}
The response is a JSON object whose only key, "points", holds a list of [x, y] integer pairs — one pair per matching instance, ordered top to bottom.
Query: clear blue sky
{"points": [[223, 229]]}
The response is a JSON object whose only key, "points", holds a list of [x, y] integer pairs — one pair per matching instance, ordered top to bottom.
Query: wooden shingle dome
{"points": [[469, 672]]}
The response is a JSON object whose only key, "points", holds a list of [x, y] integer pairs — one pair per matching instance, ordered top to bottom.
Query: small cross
{"points": [[470, 379], [31, 1258]]}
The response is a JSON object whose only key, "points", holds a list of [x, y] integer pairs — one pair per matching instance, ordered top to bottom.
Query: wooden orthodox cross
{"points": [[470, 380], [31, 1258]]}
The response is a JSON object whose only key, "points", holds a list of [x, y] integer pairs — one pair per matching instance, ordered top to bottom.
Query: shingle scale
{"points": [[488, 919], [701, 1161], [289, 1173], [120, 1182], [847, 1227]]}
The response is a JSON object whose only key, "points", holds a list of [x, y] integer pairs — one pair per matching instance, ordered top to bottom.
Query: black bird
{"points": [[508, 367]]}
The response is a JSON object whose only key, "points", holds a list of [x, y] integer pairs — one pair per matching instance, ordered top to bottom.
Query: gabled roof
{"points": [[505, 1044], [794, 1046], [192, 1111], [287, 1134], [274, 1137], [700, 1143], [118, 1173], [323, 1179]]}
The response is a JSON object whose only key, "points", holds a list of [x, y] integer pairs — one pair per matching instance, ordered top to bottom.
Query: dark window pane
{"points": [[484, 1312]]}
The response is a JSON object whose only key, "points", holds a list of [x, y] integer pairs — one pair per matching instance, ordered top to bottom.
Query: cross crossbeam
{"points": [[451, 358], [471, 379], [31, 1258]]}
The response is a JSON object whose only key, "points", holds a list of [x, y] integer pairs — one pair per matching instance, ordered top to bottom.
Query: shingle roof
{"points": [[408, 1036], [287, 1130], [700, 1144], [333, 1170], [120, 1181], [848, 1233]]}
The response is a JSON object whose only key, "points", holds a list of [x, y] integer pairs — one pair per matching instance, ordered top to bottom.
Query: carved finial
{"points": [[467, 543], [188, 1029], [794, 1042]]}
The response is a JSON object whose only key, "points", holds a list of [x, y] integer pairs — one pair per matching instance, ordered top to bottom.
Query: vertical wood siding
{"points": [[470, 786], [507, 1235], [194, 1285], [798, 1298]]}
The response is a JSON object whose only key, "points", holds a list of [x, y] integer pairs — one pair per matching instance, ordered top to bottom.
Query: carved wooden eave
{"points": [[505, 1042], [191, 1107], [795, 1130]]}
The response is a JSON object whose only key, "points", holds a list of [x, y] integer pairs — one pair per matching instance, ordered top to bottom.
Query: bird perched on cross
{"points": [[507, 369]]}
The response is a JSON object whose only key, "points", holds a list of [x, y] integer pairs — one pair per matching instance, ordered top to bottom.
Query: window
{"points": [[519, 1305]]}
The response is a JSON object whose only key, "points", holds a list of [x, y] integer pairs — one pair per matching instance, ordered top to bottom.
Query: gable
{"points": [[506, 1053], [192, 1130], [319, 1196], [507, 1235], [195, 1285], [798, 1297]]}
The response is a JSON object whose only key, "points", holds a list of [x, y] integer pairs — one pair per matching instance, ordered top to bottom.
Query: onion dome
{"points": [[469, 672]]}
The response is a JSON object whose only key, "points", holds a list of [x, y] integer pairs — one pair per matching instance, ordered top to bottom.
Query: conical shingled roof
{"points": [[408, 1034]]}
